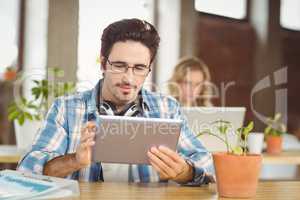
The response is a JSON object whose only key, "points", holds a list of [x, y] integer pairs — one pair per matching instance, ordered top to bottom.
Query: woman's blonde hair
{"points": [[184, 65]]}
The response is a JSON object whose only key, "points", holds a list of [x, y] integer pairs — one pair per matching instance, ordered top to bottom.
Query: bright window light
{"points": [[233, 9], [9, 14], [290, 14], [94, 16]]}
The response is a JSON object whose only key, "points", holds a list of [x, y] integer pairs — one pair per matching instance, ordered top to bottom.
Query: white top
{"points": [[113, 172]]}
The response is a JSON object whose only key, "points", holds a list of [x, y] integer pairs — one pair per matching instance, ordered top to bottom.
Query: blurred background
{"points": [[242, 42]]}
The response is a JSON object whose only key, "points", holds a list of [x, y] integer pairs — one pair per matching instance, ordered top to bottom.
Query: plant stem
{"points": [[220, 138], [226, 142]]}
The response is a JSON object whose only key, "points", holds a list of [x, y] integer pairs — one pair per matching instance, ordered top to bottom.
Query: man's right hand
{"points": [[84, 151], [62, 166]]}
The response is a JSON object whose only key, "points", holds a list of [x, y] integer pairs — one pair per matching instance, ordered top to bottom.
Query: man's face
{"points": [[122, 88]]}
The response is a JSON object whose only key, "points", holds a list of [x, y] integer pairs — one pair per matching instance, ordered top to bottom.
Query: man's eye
{"points": [[119, 65], [140, 68]]}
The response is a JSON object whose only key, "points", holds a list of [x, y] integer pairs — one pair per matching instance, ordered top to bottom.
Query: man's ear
{"points": [[103, 63]]}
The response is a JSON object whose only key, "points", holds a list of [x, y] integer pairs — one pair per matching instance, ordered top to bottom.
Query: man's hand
{"points": [[83, 152], [64, 165], [170, 165]]}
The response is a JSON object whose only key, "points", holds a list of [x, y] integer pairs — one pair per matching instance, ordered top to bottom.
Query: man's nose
{"points": [[129, 71], [128, 75]]}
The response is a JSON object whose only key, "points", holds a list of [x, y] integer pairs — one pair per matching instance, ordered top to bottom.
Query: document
{"points": [[16, 185]]}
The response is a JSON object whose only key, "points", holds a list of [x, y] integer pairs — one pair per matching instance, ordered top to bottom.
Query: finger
{"points": [[91, 126], [84, 132], [87, 135], [87, 144], [175, 156], [153, 158], [177, 167], [162, 174]]}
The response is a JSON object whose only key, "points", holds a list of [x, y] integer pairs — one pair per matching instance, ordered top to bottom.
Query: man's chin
{"points": [[125, 97]]}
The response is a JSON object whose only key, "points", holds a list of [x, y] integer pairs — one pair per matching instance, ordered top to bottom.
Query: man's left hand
{"points": [[170, 165]]}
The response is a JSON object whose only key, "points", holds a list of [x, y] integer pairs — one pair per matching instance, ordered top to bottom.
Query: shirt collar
{"points": [[92, 101]]}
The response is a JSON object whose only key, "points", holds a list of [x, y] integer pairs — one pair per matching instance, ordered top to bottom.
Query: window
{"points": [[236, 9], [290, 14], [94, 16], [9, 19]]}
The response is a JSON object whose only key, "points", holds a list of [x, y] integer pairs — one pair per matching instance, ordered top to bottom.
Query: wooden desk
{"points": [[9, 154], [287, 157], [266, 190]]}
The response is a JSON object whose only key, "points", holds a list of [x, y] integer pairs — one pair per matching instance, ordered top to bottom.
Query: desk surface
{"points": [[10, 154], [287, 157], [266, 190]]}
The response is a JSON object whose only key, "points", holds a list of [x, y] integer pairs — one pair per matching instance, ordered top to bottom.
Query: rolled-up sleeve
{"points": [[50, 142]]}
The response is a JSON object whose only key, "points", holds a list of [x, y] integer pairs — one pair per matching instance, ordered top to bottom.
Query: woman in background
{"points": [[190, 83]]}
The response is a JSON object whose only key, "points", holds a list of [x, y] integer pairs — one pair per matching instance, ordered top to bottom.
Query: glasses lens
{"points": [[119, 68], [140, 70]]}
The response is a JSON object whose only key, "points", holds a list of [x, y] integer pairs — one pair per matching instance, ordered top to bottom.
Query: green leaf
{"points": [[57, 72], [36, 82], [44, 83], [36, 92], [45, 92], [23, 101], [31, 106], [12, 108], [13, 115], [28, 116], [37, 117], [277, 117], [21, 119], [222, 122], [250, 127], [223, 129], [268, 130], [238, 150]]}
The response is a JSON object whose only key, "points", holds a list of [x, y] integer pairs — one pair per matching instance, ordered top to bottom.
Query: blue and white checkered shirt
{"points": [[61, 132]]}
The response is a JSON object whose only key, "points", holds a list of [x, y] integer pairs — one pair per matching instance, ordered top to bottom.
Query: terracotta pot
{"points": [[10, 75], [274, 144], [237, 176]]}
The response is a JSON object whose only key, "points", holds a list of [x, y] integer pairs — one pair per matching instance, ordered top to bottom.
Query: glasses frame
{"points": [[127, 67]]}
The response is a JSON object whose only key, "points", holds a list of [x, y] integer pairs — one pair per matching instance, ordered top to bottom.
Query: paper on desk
{"points": [[17, 185]]}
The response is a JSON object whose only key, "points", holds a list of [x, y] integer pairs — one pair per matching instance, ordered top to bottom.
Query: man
{"points": [[63, 148]]}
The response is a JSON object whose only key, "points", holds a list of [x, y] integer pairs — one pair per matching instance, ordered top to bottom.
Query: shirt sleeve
{"points": [[50, 142], [195, 154]]}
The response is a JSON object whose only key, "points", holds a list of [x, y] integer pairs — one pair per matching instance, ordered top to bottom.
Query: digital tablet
{"points": [[121, 139]]}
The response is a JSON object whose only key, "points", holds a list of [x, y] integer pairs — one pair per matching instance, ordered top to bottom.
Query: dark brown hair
{"points": [[129, 29]]}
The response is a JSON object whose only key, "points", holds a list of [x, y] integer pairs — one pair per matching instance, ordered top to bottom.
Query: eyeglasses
{"points": [[122, 67], [192, 84]]}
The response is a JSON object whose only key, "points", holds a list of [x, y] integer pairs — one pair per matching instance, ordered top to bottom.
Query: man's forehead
{"points": [[130, 51]]}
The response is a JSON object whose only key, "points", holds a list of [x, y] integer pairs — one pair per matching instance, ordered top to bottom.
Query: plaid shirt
{"points": [[60, 135]]}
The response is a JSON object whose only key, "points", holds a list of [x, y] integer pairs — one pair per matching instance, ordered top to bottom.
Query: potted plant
{"points": [[10, 73], [28, 114], [273, 133], [237, 171]]}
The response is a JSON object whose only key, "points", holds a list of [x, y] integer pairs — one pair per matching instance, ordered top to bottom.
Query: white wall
{"points": [[94, 16], [9, 18], [169, 30], [35, 47]]}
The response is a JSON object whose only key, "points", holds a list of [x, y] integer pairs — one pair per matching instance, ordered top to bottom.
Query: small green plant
{"points": [[11, 69], [35, 109], [224, 127], [275, 127]]}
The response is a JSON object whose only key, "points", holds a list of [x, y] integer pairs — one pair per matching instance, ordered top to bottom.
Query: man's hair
{"points": [[129, 29]]}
